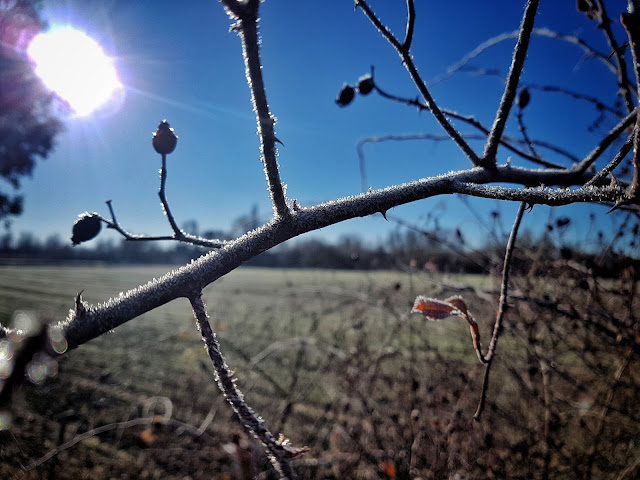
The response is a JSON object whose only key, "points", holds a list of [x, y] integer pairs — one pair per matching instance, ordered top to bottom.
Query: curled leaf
{"points": [[458, 302], [434, 309], [475, 335]]}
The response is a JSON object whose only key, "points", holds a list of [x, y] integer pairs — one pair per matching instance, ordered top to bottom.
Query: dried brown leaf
{"points": [[434, 309]]}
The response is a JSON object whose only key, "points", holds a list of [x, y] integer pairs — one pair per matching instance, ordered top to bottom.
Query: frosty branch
{"points": [[552, 185]]}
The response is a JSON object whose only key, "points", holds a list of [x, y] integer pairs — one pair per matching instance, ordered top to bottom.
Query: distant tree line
{"points": [[434, 251]]}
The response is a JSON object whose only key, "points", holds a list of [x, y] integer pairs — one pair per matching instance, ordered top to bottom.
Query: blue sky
{"points": [[178, 60]]}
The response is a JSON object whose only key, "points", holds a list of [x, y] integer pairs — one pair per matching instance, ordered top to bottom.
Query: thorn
{"points": [[620, 48], [277, 140], [614, 182], [618, 204], [384, 214], [80, 308]]}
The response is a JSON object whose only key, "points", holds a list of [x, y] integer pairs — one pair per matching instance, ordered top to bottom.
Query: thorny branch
{"points": [[246, 15], [510, 90], [93, 321], [279, 450]]}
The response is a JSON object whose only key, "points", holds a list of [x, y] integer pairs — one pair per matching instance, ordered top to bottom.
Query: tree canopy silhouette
{"points": [[28, 121]]}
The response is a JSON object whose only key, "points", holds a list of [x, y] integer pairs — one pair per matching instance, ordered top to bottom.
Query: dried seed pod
{"points": [[365, 84], [346, 95], [523, 98], [164, 140], [85, 228]]}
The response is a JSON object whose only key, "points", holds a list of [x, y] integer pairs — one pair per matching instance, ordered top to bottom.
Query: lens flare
{"points": [[75, 67], [5, 421]]}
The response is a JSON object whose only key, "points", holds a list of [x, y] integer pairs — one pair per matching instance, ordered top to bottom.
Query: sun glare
{"points": [[75, 67]]}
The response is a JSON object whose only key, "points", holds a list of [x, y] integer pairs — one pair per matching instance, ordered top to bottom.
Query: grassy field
{"points": [[330, 358]]}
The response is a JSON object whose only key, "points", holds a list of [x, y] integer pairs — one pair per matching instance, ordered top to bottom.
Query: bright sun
{"points": [[75, 67]]}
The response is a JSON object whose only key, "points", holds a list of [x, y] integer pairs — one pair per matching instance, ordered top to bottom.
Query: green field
{"points": [[331, 358]]}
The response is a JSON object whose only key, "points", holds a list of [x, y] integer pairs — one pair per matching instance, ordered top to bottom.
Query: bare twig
{"points": [[246, 14], [411, 20], [543, 32], [623, 78], [419, 82], [510, 90], [598, 104], [614, 133], [525, 135], [400, 137], [505, 141], [543, 144], [610, 167], [163, 196], [113, 223], [178, 234], [504, 293], [147, 419], [84, 436], [279, 450]]}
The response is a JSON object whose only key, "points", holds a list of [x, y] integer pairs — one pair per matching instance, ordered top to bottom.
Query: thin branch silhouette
{"points": [[543, 32], [417, 79], [510, 90], [506, 141], [487, 359]]}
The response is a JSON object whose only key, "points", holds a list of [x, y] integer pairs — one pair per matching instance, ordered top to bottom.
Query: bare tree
{"points": [[548, 183]]}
